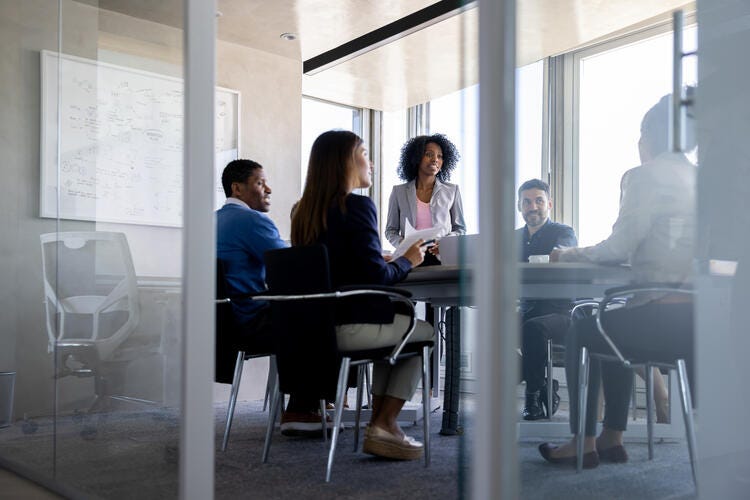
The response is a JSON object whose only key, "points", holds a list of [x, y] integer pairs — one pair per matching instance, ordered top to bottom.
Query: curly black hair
{"points": [[413, 151]]}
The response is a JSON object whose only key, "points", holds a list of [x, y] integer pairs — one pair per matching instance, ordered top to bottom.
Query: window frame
{"points": [[361, 125]]}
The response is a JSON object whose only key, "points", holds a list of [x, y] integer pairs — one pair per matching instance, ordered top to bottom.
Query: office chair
{"points": [[615, 295], [91, 307], [303, 307], [577, 311], [225, 349]]}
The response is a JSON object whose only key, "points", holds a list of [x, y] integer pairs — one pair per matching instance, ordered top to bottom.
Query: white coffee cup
{"points": [[539, 259]]}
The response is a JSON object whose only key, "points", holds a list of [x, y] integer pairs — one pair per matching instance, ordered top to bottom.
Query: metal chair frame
{"points": [[615, 296], [361, 360], [236, 379]]}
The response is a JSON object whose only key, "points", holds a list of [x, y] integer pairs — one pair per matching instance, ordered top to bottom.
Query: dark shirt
{"points": [[542, 242], [356, 258]]}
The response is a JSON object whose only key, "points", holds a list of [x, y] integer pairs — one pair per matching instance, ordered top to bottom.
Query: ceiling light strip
{"points": [[400, 28]]}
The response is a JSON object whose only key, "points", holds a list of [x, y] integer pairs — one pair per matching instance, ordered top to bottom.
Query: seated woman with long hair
{"points": [[346, 223]]}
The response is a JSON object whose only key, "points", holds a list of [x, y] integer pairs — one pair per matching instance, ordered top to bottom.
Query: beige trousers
{"points": [[400, 380]]}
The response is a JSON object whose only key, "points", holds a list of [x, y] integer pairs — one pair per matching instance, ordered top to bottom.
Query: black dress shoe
{"points": [[555, 398], [532, 409], [590, 459]]}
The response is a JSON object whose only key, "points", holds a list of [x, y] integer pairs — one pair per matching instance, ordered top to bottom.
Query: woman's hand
{"points": [[415, 253], [387, 257]]}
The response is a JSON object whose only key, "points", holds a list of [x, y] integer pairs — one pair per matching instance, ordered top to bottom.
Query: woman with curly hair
{"points": [[427, 199]]}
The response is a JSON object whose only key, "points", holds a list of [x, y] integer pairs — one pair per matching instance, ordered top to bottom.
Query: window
{"points": [[618, 83], [457, 116], [318, 117], [529, 130], [393, 135]]}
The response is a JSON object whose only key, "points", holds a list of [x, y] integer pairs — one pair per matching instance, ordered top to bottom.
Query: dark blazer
{"points": [[356, 258]]}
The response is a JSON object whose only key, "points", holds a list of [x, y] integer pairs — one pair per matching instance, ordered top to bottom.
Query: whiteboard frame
{"points": [[50, 159]]}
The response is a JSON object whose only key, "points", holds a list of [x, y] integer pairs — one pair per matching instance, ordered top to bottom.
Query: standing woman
{"points": [[427, 199], [346, 223]]}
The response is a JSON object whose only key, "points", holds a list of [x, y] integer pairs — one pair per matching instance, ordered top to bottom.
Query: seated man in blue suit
{"points": [[244, 234], [540, 319]]}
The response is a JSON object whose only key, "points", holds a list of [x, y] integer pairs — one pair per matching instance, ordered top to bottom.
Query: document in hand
{"points": [[411, 236]]}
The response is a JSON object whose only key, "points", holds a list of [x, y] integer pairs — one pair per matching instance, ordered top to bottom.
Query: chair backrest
{"points": [[298, 270], [90, 289], [225, 350], [307, 357]]}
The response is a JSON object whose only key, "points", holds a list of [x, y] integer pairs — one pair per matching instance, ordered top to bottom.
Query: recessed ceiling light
{"points": [[288, 36]]}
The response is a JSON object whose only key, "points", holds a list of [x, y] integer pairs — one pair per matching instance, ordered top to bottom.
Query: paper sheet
{"points": [[411, 236]]}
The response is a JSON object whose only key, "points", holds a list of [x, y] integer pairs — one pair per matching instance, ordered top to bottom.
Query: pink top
{"points": [[424, 216]]}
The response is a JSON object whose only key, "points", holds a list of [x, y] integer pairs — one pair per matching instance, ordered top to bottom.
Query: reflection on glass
{"points": [[616, 88], [94, 301]]}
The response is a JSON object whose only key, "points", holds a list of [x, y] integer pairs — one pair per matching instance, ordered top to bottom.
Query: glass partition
{"points": [[94, 294], [27, 383]]}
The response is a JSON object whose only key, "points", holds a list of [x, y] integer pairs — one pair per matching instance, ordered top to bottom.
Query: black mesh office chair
{"points": [[617, 296], [304, 309]]}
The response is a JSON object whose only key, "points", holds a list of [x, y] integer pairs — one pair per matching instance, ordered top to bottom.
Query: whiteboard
{"points": [[120, 143]]}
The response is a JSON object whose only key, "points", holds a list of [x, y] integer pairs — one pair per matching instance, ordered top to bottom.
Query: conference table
{"points": [[447, 286]]}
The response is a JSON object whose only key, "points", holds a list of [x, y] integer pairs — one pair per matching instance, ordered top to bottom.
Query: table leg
{"points": [[437, 315], [452, 373]]}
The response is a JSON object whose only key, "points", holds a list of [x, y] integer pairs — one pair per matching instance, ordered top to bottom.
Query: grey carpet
{"points": [[134, 455], [666, 476]]}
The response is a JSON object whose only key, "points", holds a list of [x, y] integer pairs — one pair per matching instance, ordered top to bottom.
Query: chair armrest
{"points": [[649, 287], [382, 288], [345, 291], [394, 294], [614, 295], [246, 296], [580, 304]]}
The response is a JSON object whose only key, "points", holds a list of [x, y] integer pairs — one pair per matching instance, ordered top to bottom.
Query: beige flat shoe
{"points": [[382, 443]]}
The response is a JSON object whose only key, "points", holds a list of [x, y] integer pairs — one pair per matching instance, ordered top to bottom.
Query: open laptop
{"points": [[455, 250]]}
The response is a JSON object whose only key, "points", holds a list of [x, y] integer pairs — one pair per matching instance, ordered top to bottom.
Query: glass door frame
{"points": [[196, 466]]}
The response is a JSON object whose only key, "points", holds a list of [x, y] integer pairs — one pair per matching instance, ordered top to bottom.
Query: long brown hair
{"points": [[328, 180]]}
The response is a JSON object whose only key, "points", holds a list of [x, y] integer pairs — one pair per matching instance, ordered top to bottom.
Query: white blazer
{"points": [[445, 207]]}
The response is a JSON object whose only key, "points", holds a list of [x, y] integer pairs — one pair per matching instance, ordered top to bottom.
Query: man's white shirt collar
{"points": [[236, 201]]}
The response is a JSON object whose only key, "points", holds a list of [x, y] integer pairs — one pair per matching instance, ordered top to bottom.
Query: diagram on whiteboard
{"points": [[121, 134]]}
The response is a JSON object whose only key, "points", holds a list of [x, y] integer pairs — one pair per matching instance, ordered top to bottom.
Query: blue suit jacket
{"points": [[243, 235]]}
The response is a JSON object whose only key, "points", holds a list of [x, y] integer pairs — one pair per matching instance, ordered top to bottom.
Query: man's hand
{"points": [[554, 255], [387, 257]]}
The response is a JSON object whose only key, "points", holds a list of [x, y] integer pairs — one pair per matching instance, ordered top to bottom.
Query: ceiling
{"points": [[432, 62]]}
